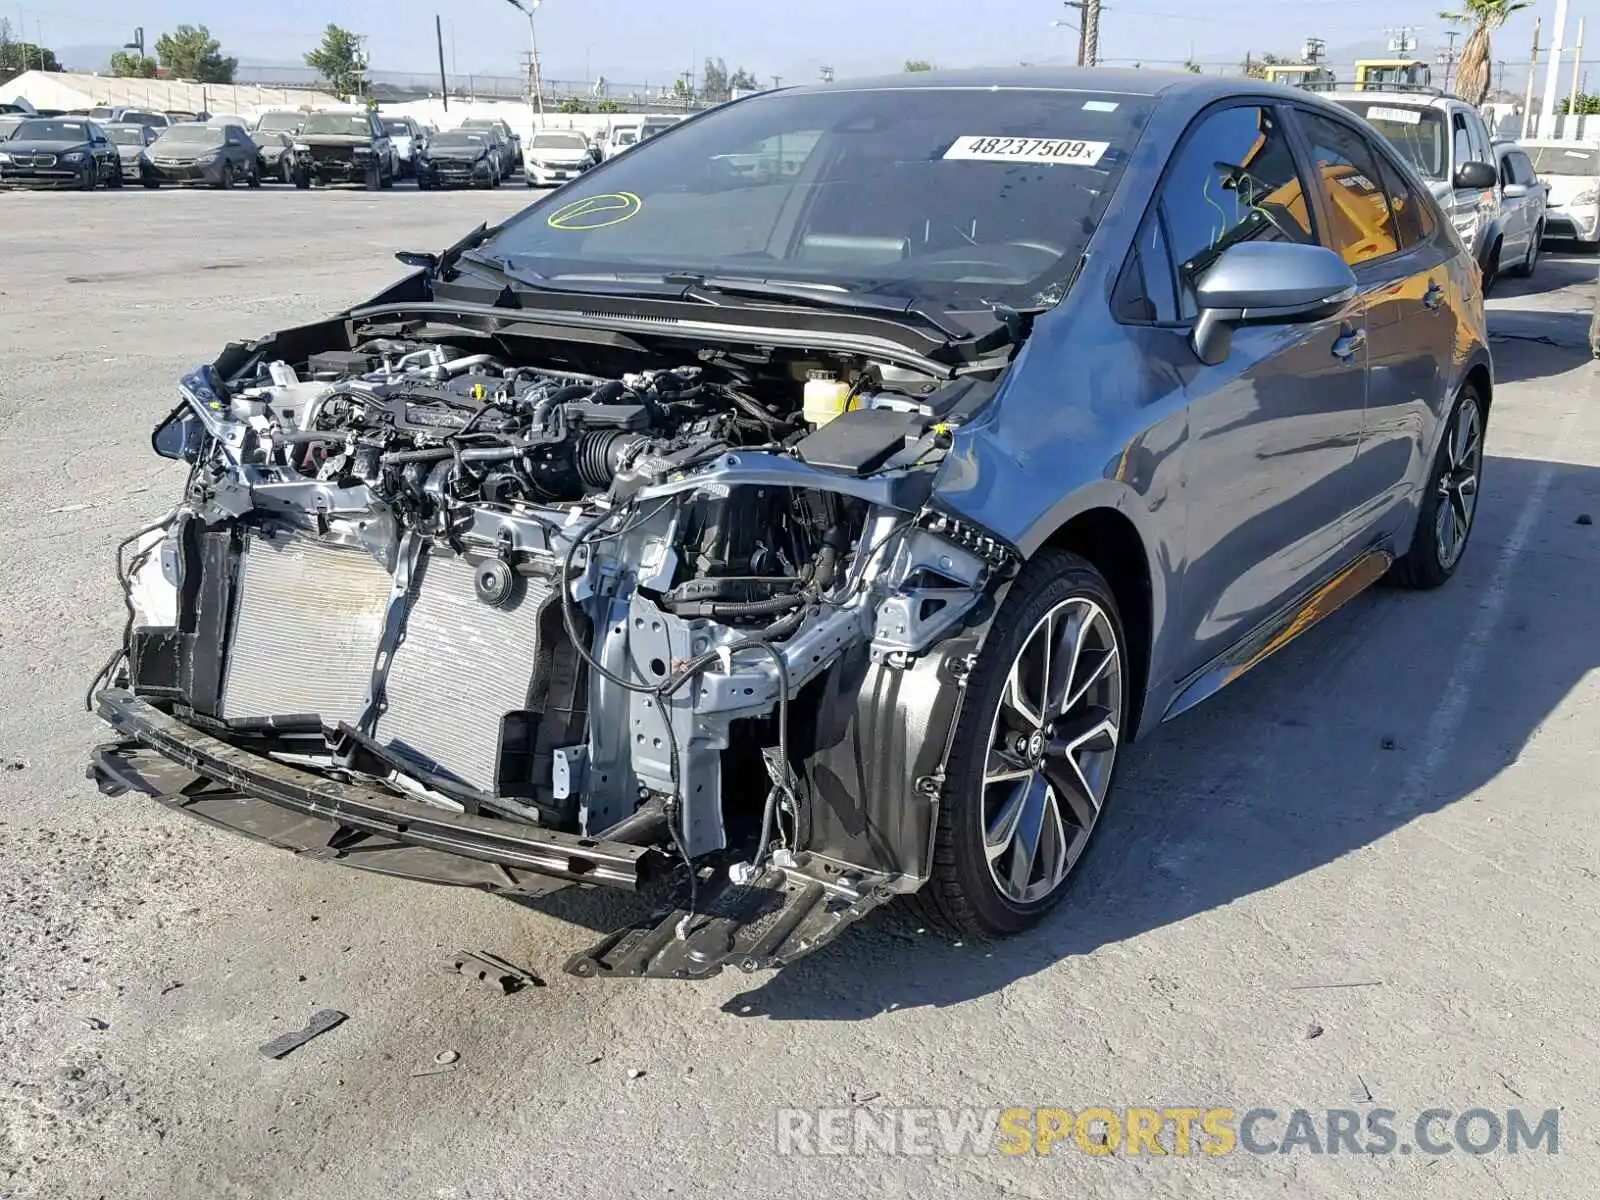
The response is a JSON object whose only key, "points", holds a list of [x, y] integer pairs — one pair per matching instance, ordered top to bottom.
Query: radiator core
{"points": [[306, 623], [307, 626], [461, 666]]}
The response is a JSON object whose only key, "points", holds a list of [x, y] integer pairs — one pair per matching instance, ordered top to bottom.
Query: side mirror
{"points": [[1477, 175], [1513, 191], [1265, 283]]}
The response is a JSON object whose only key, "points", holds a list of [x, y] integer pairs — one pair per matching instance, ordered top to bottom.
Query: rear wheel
{"points": [[1450, 502], [1034, 754]]}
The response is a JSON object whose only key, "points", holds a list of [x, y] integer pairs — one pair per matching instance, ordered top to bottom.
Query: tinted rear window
{"points": [[1418, 133]]}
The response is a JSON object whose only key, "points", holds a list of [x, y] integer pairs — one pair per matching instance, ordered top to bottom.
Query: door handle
{"points": [[1434, 296], [1349, 343]]}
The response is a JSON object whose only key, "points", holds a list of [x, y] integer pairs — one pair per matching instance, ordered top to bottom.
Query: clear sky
{"points": [[629, 39]]}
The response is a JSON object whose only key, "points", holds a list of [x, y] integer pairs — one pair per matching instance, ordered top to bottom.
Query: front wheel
{"points": [[91, 176], [225, 180], [1449, 504], [1034, 754]]}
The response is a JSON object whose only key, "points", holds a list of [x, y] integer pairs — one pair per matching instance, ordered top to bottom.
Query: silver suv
{"points": [[1445, 139]]}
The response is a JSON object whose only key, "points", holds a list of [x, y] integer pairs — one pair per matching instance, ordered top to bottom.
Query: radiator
{"points": [[308, 620], [306, 624], [461, 666]]}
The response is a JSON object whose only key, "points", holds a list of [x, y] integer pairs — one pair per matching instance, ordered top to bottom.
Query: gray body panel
{"points": [[1248, 483]]}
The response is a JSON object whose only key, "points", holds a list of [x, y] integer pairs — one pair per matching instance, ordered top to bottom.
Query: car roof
{"points": [[1397, 99]]}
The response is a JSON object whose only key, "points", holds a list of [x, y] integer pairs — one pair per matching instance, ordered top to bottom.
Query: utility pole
{"points": [[438, 36], [1402, 39], [1448, 56], [1533, 69], [1577, 70], [1547, 112]]}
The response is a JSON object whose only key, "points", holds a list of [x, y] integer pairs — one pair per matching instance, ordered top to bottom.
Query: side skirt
{"points": [[1280, 629]]}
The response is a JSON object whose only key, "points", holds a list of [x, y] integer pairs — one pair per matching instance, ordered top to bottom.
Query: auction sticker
{"points": [[1400, 116], [981, 148], [596, 212]]}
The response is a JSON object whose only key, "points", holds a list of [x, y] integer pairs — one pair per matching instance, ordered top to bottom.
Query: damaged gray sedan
{"points": [[805, 508]]}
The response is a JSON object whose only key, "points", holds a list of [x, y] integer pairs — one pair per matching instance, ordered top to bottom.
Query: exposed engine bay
{"points": [[657, 608]]}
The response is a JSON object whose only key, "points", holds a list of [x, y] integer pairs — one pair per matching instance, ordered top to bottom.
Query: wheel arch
{"points": [[1108, 539]]}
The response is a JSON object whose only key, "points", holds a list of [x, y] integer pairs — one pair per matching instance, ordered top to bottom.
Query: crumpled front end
{"points": [[451, 613]]}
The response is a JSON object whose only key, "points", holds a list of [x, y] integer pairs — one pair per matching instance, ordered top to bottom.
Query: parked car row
{"points": [[109, 146], [1505, 198]]}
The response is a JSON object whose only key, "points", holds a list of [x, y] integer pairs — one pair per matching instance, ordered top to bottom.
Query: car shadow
{"points": [[1294, 768]]}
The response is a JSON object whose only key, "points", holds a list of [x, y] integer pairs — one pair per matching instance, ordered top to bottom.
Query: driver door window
{"points": [[1234, 181]]}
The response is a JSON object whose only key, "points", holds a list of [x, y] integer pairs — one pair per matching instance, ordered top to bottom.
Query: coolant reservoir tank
{"points": [[825, 397]]}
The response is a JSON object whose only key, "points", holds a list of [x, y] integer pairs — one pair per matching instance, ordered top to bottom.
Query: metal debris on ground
{"points": [[1583, 519], [494, 971], [97, 1023], [320, 1023], [1313, 1030], [446, 1057], [635, 1072]]}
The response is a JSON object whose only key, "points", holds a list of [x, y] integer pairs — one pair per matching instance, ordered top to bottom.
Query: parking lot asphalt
{"points": [[1364, 877]]}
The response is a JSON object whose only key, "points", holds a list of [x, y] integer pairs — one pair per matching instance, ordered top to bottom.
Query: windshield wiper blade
{"points": [[766, 289]]}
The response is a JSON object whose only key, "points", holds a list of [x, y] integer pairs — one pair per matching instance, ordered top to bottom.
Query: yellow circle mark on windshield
{"points": [[596, 212]]}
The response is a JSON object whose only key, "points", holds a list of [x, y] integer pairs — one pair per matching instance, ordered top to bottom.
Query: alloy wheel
{"points": [[1458, 483], [1052, 746]]}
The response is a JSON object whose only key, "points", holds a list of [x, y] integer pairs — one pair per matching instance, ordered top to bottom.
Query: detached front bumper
{"points": [[297, 810]]}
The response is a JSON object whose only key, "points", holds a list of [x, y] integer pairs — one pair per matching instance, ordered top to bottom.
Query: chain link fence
{"points": [[664, 95]]}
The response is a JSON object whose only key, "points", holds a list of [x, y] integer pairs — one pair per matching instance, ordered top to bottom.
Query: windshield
{"points": [[154, 120], [279, 122], [343, 124], [52, 131], [1418, 133], [191, 135], [126, 136], [626, 137], [457, 139], [559, 141], [1564, 160], [953, 193]]}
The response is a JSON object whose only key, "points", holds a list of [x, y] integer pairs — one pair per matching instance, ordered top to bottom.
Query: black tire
{"points": [[91, 176], [225, 178], [254, 178], [374, 178], [115, 179], [302, 179], [386, 180], [151, 183], [1491, 268], [1526, 268], [1426, 564], [962, 894]]}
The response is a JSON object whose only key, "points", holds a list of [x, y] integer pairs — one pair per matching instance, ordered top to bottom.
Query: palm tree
{"points": [[1472, 75]]}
